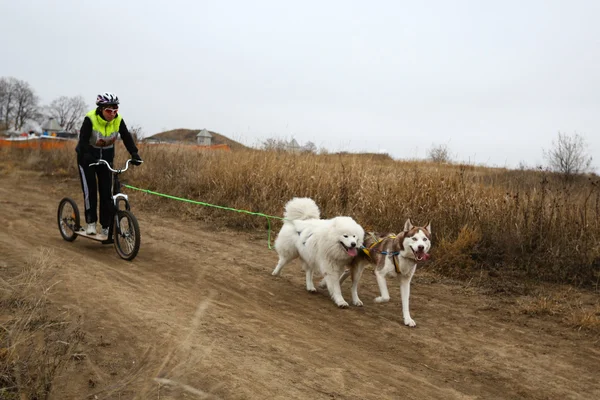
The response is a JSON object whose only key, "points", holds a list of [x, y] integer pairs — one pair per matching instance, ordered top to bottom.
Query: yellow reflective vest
{"points": [[104, 133]]}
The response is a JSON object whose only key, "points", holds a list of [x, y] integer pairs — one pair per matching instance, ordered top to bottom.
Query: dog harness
{"points": [[394, 254]]}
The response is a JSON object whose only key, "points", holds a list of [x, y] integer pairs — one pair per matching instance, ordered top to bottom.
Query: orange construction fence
{"points": [[44, 144]]}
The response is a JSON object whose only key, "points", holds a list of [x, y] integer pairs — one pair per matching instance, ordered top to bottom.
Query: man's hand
{"points": [[136, 159]]}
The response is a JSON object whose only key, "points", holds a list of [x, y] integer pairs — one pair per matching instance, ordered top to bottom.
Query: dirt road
{"points": [[198, 315]]}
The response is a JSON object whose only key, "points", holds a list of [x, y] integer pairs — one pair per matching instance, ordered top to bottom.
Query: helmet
{"points": [[107, 99]]}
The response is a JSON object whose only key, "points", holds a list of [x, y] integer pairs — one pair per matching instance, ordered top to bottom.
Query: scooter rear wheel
{"points": [[68, 219]]}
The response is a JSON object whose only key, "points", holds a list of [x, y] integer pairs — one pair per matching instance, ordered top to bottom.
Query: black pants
{"points": [[89, 184]]}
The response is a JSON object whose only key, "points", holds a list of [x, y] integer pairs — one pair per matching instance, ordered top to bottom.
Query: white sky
{"points": [[494, 80]]}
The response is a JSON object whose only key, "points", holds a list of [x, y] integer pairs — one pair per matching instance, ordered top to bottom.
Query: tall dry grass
{"points": [[528, 222], [35, 344]]}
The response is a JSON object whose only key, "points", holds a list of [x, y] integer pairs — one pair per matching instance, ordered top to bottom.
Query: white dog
{"points": [[324, 245], [392, 255]]}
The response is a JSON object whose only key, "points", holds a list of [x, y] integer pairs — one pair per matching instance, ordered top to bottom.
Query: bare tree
{"points": [[6, 100], [18, 102], [26, 103], [68, 111], [136, 132], [273, 144], [309, 147], [439, 153], [568, 155]]}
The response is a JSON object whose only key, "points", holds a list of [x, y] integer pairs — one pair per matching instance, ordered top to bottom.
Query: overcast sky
{"points": [[494, 80]]}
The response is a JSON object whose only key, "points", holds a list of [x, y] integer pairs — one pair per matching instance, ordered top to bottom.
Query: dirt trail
{"points": [[199, 311]]}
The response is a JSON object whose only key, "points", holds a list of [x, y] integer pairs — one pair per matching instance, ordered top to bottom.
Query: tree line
{"points": [[20, 104], [568, 156]]}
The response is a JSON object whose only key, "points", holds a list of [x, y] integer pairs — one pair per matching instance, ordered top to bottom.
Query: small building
{"points": [[51, 127], [204, 138], [293, 146]]}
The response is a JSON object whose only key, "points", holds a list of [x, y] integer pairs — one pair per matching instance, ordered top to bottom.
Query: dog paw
{"points": [[275, 273], [311, 290], [381, 299], [358, 303], [343, 305], [410, 322]]}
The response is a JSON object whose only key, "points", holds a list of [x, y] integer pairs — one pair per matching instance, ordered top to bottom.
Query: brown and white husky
{"points": [[393, 255]]}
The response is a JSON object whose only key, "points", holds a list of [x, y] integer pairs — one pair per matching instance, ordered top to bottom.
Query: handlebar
{"points": [[118, 171]]}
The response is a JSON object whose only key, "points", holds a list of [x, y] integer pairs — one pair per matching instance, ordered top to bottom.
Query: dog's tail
{"points": [[301, 208]]}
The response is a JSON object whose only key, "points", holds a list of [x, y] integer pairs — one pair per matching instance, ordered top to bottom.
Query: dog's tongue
{"points": [[352, 251], [423, 256]]}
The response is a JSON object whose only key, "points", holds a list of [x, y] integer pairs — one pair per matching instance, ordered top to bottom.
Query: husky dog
{"points": [[324, 245], [393, 255]]}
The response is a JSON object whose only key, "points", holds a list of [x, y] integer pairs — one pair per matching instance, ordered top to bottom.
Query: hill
{"points": [[189, 136]]}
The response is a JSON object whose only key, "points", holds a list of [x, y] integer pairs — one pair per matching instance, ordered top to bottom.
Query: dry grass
{"points": [[520, 222], [511, 223], [457, 257], [542, 305], [577, 309], [587, 319], [34, 344]]}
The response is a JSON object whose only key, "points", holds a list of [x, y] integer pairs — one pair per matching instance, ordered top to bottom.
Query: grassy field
{"points": [[524, 223], [499, 229]]}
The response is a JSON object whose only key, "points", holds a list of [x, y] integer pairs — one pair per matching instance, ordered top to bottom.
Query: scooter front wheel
{"points": [[126, 235]]}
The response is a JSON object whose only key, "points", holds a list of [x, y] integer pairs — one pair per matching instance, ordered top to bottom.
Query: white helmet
{"points": [[107, 99]]}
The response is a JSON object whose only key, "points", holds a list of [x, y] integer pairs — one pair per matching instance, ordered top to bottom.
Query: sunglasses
{"points": [[111, 110]]}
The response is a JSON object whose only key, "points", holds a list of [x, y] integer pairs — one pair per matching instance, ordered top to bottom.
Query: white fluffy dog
{"points": [[324, 245]]}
